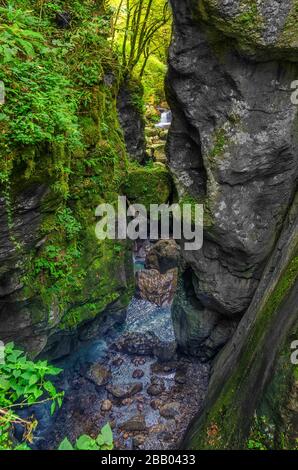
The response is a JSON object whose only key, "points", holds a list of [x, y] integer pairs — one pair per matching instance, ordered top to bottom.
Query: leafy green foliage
{"points": [[59, 126], [67, 220], [22, 384], [261, 435], [104, 441]]}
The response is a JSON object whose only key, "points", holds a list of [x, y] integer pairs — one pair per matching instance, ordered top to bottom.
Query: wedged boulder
{"points": [[163, 256], [155, 287], [200, 331]]}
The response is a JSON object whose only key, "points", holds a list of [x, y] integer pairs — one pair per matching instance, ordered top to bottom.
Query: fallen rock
{"points": [[155, 287], [142, 344], [163, 368], [98, 374], [137, 374], [157, 387], [125, 391], [155, 404], [106, 405], [170, 410], [136, 423], [138, 441]]}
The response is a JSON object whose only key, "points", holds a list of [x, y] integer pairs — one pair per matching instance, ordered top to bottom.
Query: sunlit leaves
{"points": [[104, 441]]}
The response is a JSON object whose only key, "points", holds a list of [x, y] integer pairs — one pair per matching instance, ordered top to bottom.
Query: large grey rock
{"points": [[132, 122], [232, 146], [22, 317]]}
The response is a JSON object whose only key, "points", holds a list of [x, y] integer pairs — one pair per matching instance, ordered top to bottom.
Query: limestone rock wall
{"points": [[233, 147]]}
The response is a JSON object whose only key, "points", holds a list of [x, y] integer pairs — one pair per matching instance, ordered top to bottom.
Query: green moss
{"points": [[247, 28], [289, 36], [220, 142], [75, 145], [148, 185], [189, 199], [279, 404]]}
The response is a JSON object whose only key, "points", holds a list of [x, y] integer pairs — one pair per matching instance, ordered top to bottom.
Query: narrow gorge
{"points": [[173, 348]]}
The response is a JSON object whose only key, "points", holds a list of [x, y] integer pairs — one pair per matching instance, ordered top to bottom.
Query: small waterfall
{"points": [[165, 120]]}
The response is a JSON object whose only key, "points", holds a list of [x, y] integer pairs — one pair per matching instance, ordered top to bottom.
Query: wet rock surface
{"points": [[156, 287], [132, 377], [135, 380], [152, 414]]}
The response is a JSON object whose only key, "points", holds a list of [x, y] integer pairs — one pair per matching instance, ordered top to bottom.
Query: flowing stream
{"points": [[165, 120], [133, 378]]}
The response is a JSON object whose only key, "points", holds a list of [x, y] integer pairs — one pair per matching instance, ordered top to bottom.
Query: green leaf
{"points": [[53, 370], [33, 379], [4, 384], [49, 387], [53, 407], [107, 434], [85, 442], [65, 445]]}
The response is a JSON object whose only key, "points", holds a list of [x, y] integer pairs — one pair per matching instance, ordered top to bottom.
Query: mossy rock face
{"points": [[257, 27], [148, 185], [54, 273]]}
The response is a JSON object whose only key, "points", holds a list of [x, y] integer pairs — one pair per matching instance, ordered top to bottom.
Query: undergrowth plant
{"points": [[23, 383], [104, 441]]}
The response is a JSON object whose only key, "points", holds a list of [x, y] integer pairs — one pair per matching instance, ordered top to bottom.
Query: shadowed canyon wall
{"points": [[233, 147]]}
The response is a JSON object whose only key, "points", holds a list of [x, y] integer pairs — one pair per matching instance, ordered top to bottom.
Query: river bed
{"points": [[132, 378]]}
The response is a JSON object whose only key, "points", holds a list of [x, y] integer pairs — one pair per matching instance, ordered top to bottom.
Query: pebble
{"points": [[138, 361], [117, 362], [137, 374], [125, 391], [107, 405], [170, 410], [136, 423], [138, 440]]}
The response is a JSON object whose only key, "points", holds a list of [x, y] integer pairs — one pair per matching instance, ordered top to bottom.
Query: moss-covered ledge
{"points": [[147, 185]]}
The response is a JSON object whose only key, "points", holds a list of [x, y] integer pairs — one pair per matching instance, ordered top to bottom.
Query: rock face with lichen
{"points": [[256, 27], [233, 147]]}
